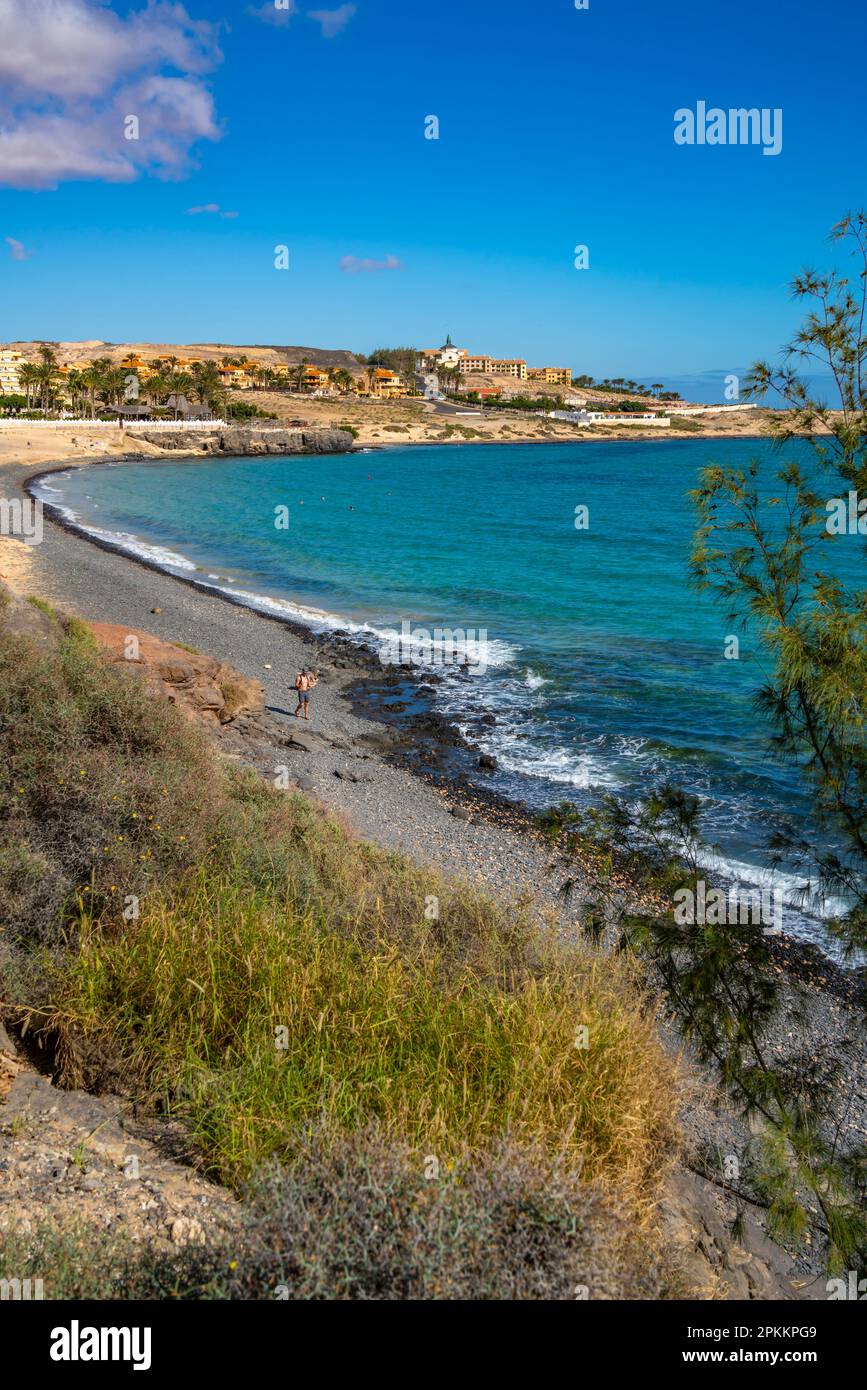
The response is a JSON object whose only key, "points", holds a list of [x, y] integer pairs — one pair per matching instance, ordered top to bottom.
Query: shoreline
{"points": [[386, 425], [429, 729], [359, 768]]}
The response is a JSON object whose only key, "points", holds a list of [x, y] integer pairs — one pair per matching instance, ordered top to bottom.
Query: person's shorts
{"points": [[304, 697]]}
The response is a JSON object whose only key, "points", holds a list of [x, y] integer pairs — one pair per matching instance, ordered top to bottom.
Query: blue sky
{"points": [[556, 129]]}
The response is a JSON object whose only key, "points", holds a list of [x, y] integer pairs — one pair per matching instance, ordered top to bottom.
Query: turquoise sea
{"points": [[605, 669]]}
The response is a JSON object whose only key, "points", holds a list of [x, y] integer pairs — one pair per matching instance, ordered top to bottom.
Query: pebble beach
{"points": [[351, 763]]}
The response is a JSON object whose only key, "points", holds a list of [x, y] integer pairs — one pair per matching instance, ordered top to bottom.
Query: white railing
{"points": [[9, 421], [172, 424]]}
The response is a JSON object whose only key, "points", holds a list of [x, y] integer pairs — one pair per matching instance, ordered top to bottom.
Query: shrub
{"points": [[102, 792], [283, 974], [251, 1017], [358, 1218], [366, 1220]]}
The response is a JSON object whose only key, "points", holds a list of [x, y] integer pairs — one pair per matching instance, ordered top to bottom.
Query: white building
{"points": [[446, 356], [11, 363]]}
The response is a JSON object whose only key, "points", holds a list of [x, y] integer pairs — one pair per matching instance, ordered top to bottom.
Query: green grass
{"points": [[44, 607], [281, 974], [255, 1018]]}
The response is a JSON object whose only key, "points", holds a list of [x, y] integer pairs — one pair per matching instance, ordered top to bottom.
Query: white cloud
{"points": [[269, 13], [333, 21], [73, 72], [212, 209], [17, 249], [353, 266]]}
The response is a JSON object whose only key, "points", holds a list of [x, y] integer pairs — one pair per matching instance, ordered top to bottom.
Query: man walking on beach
{"points": [[304, 683]]}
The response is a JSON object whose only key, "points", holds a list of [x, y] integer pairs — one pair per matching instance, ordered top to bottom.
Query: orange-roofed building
{"points": [[386, 385]]}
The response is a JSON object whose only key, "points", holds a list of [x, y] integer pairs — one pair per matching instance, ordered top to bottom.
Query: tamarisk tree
{"points": [[765, 547], [771, 558], [722, 976]]}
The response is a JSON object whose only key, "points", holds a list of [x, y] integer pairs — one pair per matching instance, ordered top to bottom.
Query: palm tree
{"points": [[299, 374], [47, 375], [28, 377], [89, 379], [92, 379], [180, 384], [206, 384], [113, 385], [76, 387], [157, 388]]}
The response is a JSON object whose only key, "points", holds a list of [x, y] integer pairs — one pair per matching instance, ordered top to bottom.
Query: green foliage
{"points": [[399, 359], [534, 404], [244, 410], [770, 559], [44, 607], [93, 777], [636, 866], [452, 1035], [440, 1052]]}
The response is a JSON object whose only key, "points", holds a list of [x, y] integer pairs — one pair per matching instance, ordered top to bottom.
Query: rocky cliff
{"points": [[247, 439], [201, 686]]}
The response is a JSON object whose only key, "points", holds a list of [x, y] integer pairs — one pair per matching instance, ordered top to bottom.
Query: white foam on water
{"points": [[437, 648], [524, 742], [790, 885]]}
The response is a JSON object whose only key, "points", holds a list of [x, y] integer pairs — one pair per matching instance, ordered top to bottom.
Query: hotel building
{"points": [[11, 363]]}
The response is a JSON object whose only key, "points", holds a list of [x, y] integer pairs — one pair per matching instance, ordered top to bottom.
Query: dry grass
{"points": [[281, 974], [256, 1019]]}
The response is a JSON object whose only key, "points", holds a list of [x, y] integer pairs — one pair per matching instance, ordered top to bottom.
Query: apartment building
{"points": [[11, 363], [510, 366], [553, 376], [236, 378], [315, 379], [386, 385]]}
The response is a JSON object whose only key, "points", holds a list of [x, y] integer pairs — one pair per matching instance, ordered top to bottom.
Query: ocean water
{"points": [[604, 668]]}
